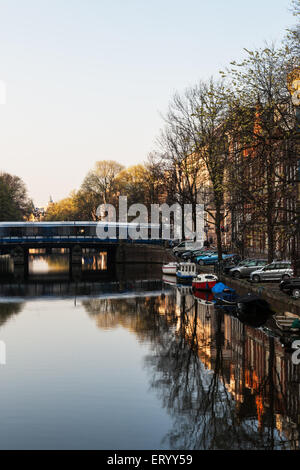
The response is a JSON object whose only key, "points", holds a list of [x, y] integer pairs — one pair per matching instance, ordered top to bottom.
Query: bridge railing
{"points": [[73, 238]]}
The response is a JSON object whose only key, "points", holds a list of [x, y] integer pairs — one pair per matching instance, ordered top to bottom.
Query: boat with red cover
{"points": [[204, 281]]}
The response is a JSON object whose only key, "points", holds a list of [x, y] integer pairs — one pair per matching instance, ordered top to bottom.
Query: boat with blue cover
{"points": [[224, 295], [249, 308]]}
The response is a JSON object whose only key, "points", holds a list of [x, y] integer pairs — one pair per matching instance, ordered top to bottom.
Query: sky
{"points": [[89, 80]]}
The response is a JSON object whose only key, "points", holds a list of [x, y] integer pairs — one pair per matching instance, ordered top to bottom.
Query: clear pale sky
{"points": [[87, 80]]}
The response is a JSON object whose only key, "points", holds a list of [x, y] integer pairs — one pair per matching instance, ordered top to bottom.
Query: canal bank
{"points": [[141, 253], [270, 291], [278, 300]]}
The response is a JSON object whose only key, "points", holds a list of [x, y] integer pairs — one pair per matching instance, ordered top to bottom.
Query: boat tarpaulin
{"points": [[220, 287]]}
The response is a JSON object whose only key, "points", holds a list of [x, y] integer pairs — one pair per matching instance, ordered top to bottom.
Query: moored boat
{"points": [[170, 268], [186, 271], [204, 281], [224, 295], [251, 304], [247, 307], [253, 310]]}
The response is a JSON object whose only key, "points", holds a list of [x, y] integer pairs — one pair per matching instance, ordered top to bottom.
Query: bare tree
{"points": [[194, 145], [100, 181], [268, 184]]}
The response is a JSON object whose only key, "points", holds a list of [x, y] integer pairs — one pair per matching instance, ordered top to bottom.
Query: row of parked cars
{"points": [[189, 251], [257, 270]]}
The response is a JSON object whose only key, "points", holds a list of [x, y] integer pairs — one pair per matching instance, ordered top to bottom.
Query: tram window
{"points": [[31, 231], [64, 231], [4, 232], [15, 232], [46, 232]]}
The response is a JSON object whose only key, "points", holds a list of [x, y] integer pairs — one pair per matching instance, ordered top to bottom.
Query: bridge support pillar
{"points": [[18, 255], [75, 257], [20, 259]]}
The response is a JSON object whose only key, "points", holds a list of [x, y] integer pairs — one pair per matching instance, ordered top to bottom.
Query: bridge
{"points": [[66, 234], [18, 238]]}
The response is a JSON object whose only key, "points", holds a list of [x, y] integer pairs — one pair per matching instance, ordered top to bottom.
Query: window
{"points": [[283, 266], [269, 267], [272, 267]]}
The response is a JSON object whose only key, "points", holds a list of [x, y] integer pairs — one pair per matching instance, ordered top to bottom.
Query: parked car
{"points": [[187, 246], [206, 253], [190, 255], [211, 259], [231, 263], [246, 267], [273, 272], [291, 287]]}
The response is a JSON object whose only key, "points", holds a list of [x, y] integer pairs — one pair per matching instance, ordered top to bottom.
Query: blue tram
{"points": [[85, 231]]}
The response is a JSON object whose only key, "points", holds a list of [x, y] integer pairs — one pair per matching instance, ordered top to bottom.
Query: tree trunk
{"points": [[270, 210], [218, 231]]}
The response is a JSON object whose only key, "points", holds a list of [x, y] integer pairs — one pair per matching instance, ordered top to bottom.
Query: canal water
{"points": [[136, 362]]}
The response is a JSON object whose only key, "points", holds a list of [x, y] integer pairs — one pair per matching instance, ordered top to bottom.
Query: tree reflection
{"points": [[8, 310], [140, 315], [226, 384], [210, 397]]}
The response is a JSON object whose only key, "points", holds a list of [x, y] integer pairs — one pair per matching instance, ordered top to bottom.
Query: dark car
{"points": [[187, 245], [189, 255], [231, 263], [291, 286]]}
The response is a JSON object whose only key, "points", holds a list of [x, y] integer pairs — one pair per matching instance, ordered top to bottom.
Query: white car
{"points": [[276, 271]]}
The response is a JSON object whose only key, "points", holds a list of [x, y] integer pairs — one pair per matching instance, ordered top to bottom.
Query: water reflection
{"points": [[95, 262], [45, 264], [6, 266], [9, 310], [221, 382], [226, 384]]}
